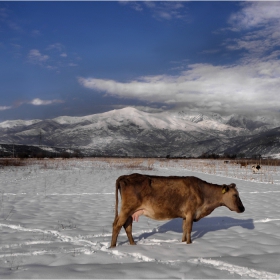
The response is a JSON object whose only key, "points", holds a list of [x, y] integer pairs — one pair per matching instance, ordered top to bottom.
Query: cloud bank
{"points": [[250, 86]]}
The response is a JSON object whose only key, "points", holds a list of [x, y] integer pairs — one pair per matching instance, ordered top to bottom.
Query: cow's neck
{"points": [[212, 196], [211, 200]]}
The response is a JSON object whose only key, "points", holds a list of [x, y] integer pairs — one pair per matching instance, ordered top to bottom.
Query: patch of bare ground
{"points": [[11, 162]]}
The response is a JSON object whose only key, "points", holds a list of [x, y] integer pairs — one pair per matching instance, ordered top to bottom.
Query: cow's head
{"points": [[231, 198]]}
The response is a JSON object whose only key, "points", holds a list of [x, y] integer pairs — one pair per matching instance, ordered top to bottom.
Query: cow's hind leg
{"points": [[119, 221], [128, 229], [187, 229]]}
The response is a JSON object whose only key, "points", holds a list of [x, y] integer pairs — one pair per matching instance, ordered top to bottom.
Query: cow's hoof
{"points": [[189, 242], [112, 246]]}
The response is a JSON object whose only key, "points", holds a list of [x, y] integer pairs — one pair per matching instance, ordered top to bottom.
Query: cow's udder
{"points": [[135, 215]]}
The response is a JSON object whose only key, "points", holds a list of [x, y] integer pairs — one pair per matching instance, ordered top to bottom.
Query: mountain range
{"points": [[135, 133]]}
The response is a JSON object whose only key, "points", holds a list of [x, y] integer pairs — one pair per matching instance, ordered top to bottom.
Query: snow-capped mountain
{"points": [[130, 132]]}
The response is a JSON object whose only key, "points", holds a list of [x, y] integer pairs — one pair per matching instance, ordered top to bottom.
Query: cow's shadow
{"points": [[202, 227]]}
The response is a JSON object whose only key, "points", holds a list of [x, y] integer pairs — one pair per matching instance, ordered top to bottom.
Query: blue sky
{"points": [[81, 58]]}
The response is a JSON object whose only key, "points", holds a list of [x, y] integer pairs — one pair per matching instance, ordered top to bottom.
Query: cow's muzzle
{"points": [[241, 209]]}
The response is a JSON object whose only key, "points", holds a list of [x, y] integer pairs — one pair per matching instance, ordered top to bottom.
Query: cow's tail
{"points": [[117, 197]]}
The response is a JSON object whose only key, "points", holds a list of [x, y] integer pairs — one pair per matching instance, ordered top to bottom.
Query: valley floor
{"points": [[56, 220]]}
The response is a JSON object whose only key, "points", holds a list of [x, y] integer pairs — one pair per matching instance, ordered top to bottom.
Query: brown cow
{"points": [[243, 164], [165, 198]]}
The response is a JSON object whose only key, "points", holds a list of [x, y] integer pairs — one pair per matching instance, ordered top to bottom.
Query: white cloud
{"points": [[149, 4], [134, 5], [165, 10], [169, 10], [3, 13], [256, 14], [5, 18], [261, 23], [35, 32], [16, 46], [56, 46], [36, 57], [54, 59], [72, 64], [50, 67], [250, 86], [35, 102], [39, 102], [3, 108]]}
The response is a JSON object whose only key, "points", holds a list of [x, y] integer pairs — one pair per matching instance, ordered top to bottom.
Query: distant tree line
{"points": [[42, 154], [47, 154], [229, 156]]}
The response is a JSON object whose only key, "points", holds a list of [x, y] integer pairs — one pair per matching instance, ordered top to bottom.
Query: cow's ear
{"points": [[232, 185], [225, 189]]}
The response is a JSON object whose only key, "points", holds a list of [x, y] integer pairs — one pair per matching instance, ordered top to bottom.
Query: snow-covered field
{"points": [[56, 219]]}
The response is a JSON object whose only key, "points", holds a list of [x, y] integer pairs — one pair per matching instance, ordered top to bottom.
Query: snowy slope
{"points": [[164, 120], [17, 123], [130, 132]]}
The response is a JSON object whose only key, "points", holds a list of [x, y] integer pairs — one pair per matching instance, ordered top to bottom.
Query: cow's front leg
{"points": [[187, 229], [184, 237]]}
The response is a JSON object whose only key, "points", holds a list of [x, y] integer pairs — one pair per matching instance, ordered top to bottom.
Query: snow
{"points": [[163, 120], [15, 123], [29, 132], [277, 156], [56, 220]]}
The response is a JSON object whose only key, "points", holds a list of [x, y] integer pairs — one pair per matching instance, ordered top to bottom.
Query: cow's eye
{"points": [[235, 195]]}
